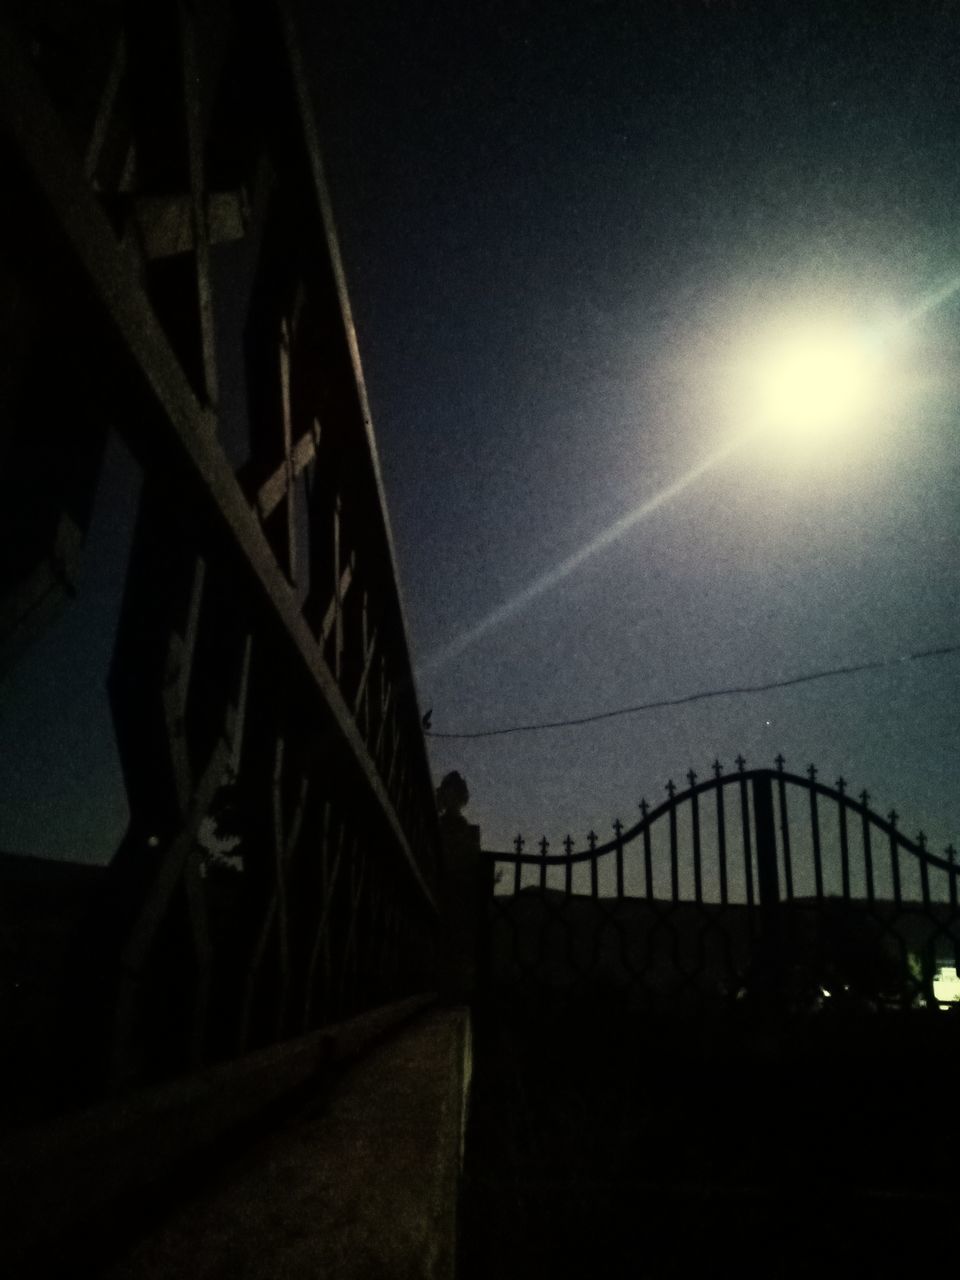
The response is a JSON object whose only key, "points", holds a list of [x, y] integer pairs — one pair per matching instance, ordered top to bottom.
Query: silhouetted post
{"points": [[767, 883], [467, 885]]}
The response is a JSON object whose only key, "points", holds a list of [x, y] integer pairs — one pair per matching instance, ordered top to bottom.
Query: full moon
{"points": [[806, 384], [813, 384]]}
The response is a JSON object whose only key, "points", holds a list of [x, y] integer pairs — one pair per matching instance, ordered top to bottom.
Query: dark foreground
{"points": [[602, 1146]]}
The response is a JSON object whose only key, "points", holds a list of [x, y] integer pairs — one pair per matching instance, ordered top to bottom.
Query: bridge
{"points": [[243, 1042]]}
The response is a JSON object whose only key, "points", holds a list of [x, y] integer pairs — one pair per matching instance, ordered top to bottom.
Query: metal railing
{"points": [[163, 182], [788, 886]]}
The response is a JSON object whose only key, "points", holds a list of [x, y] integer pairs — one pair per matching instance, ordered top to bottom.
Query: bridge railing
{"points": [[173, 277], [757, 877]]}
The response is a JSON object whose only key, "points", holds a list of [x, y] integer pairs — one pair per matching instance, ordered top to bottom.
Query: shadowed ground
{"points": [[604, 1145]]}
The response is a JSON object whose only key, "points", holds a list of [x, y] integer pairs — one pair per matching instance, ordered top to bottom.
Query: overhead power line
{"points": [[702, 696]]}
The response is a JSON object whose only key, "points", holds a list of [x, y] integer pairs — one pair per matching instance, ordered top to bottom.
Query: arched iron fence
{"points": [[755, 882]]}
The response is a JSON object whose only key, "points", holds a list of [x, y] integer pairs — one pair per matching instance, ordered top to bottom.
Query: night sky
{"points": [[555, 220], [558, 222]]}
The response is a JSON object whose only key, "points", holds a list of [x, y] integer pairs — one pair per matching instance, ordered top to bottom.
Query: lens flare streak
{"points": [[930, 303], [573, 562], [502, 613]]}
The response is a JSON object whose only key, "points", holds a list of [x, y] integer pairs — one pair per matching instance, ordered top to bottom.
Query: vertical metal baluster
{"points": [[105, 110], [192, 110], [292, 566], [338, 596], [892, 817], [695, 820], [784, 829], [618, 832], [721, 832], [815, 833], [747, 838], [844, 844], [544, 847], [867, 848], [647, 853], [674, 858], [517, 866], [568, 869], [924, 871], [952, 874], [280, 879], [327, 880], [594, 880], [767, 881], [791, 919], [927, 960], [349, 964]]}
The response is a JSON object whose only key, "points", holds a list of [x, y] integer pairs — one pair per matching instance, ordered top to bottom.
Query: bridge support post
{"points": [[768, 883], [466, 889]]}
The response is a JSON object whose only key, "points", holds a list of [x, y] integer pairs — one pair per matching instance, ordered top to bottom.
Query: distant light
{"points": [[153, 841], [946, 985]]}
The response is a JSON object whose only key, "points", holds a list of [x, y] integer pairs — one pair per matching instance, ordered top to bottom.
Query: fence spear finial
{"points": [[780, 762], [741, 763], [717, 767], [812, 772], [691, 777], [841, 784], [670, 788], [865, 797], [644, 807], [892, 817], [617, 828], [592, 840], [519, 843], [568, 845], [544, 846]]}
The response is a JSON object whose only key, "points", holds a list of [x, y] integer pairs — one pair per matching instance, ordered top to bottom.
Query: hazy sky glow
{"points": [[562, 232], [570, 232], [811, 384], [553, 577]]}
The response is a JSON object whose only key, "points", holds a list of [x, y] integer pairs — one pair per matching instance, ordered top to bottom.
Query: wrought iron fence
{"points": [[171, 275], [753, 883]]}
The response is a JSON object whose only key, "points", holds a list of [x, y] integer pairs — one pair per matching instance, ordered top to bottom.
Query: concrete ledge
{"points": [[55, 1178], [363, 1182]]}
